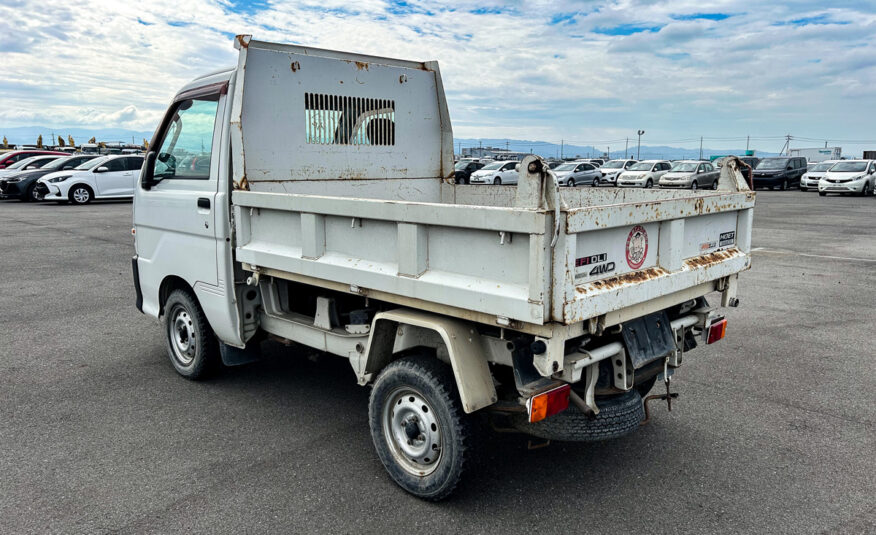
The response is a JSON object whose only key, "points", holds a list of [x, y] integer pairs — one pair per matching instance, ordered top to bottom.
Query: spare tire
{"points": [[618, 416]]}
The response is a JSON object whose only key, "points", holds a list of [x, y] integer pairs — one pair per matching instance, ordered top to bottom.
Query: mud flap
{"points": [[648, 338], [233, 356]]}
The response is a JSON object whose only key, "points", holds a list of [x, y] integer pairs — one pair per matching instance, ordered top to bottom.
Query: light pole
{"points": [[639, 148]]}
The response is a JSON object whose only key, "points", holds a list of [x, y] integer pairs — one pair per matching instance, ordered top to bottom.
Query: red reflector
{"points": [[717, 331], [548, 403]]}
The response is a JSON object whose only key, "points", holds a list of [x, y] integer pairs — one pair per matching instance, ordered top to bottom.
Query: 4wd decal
{"points": [[727, 238], [637, 247], [592, 259], [602, 269]]}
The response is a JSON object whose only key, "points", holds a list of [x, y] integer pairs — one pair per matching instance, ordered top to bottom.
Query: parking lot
{"points": [[773, 431]]}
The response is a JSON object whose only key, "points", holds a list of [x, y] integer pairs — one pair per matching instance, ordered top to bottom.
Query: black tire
{"points": [[497, 181], [571, 183], [595, 183], [649, 184], [715, 184], [693, 185], [784, 186], [803, 189], [865, 190], [30, 194], [80, 194], [822, 194], [190, 342], [409, 383], [618, 416]]}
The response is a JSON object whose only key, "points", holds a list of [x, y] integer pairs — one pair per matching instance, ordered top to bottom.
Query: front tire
{"points": [[497, 181], [571, 183], [595, 183], [649, 184], [693, 185], [784, 185], [865, 190], [30, 194], [80, 194], [822, 194], [191, 344], [419, 429]]}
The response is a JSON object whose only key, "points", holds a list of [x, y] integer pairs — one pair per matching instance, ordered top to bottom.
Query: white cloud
{"points": [[508, 72]]}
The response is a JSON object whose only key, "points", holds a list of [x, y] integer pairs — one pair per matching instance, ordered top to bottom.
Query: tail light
{"points": [[717, 330], [548, 403]]}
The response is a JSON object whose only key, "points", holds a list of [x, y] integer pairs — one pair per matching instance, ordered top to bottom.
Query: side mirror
{"points": [[101, 169], [148, 172]]}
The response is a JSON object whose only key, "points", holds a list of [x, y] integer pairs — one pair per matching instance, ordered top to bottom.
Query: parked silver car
{"points": [[576, 173], [643, 174], [693, 174]]}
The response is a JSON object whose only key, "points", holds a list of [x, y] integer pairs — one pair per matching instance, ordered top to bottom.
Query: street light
{"points": [[639, 148]]}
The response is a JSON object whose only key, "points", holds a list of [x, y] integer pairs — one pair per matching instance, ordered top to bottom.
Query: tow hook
{"points": [[668, 396]]}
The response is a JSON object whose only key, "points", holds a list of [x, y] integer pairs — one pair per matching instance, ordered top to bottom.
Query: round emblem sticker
{"points": [[637, 247]]}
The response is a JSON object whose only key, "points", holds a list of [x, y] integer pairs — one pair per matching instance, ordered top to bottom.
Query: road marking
{"points": [[829, 257]]}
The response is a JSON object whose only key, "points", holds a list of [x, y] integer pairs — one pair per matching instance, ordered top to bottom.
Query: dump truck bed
{"points": [[341, 166]]}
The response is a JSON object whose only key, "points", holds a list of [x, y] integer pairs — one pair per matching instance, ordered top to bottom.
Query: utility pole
{"points": [[747, 139], [562, 141], [506, 145], [787, 146], [701, 147], [627, 148], [639, 148]]}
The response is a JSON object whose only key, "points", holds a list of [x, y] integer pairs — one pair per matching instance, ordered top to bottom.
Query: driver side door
{"points": [[174, 217]]}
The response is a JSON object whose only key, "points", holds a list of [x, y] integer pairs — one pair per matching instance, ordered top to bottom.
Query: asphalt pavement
{"points": [[773, 432]]}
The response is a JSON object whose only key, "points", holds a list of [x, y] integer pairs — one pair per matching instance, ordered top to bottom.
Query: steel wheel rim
{"points": [[80, 195], [181, 333], [412, 431]]}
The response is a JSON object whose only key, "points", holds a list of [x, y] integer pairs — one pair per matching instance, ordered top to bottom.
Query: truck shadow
{"points": [[325, 385]]}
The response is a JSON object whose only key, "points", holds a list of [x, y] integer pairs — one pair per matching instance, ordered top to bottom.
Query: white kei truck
{"points": [[308, 196]]}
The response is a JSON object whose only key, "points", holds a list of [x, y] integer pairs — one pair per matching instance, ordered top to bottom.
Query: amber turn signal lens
{"points": [[548, 403]]}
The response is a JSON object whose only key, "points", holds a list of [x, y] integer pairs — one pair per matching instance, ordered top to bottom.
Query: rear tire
{"points": [[80, 194], [191, 344], [415, 415]]}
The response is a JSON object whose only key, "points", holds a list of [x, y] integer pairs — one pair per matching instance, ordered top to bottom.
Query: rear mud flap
{"points": [[648, 338]]}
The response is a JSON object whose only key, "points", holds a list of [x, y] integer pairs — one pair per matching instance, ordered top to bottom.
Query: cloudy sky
{"points": [[585, 72]]}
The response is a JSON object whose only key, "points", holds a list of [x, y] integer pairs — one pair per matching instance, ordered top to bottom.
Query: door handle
{"points": [[204, 202]]}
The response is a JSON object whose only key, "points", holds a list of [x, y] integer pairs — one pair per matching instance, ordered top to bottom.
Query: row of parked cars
{"points": [[692, 174], [833, 176], [62, 177]]}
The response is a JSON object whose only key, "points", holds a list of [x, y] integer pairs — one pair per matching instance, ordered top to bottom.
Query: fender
{"points": [[473, 378]]}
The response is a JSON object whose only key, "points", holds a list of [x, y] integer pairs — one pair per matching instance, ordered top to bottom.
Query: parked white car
{"points": [[28, 164], [611, 169], [816, 172], [496, 173], [643, 174], [849, 176], [112, 177]]}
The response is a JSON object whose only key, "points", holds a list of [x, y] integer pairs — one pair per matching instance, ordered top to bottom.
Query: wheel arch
{"points": [[168, 285], [459, 339]]}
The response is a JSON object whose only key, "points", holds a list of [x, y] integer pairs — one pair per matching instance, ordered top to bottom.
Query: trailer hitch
{"points": [[667, 397]]}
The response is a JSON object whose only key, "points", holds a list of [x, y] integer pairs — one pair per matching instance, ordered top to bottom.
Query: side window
{"points": [[187, 144], [134, 163], [116, 164], [587, 167]]}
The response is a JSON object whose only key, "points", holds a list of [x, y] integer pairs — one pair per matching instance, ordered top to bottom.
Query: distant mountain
{"points": [[27, 135], [555, 150]]}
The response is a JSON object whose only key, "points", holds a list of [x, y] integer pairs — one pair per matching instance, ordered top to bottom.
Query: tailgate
{"points": [[633, 258]]}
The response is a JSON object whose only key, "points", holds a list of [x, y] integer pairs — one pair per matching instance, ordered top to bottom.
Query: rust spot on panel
{"points": [[243, 42], [361, 65], [295, 66], [710, 259], [627, 278]]}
